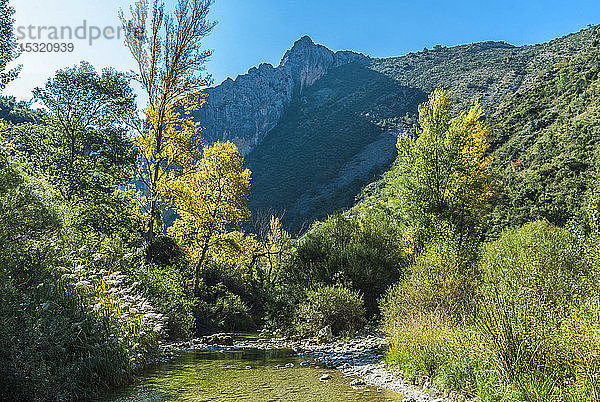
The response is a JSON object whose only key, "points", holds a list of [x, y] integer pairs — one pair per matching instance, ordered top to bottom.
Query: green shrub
{"points": [[164, 251], [357, 252], [443, 280], [535, 283], [165, 287], [224, 299], [280, 305], [338, 307], [222, 310], [231, 313], [425, 316], [70, 324], [429, 344]]}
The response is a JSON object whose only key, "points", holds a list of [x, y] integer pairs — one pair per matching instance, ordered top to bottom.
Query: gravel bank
{"points": [[362, 358]]}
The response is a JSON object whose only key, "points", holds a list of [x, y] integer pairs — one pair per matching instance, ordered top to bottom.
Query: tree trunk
{"points": [[199, 268]]}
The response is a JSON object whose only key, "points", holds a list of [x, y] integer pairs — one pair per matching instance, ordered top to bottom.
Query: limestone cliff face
{"points": [[306, 62], [245, 109]]}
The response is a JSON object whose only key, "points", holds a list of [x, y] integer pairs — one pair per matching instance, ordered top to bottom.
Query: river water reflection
{"points": [[244, 375]]}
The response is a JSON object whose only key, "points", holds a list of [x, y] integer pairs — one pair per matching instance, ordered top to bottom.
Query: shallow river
{"points": [[244, 375]]}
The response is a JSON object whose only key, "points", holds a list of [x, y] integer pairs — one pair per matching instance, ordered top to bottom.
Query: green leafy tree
{"points": [[8, 45], [17, 112], [85, 143], [83, 149], [443, 173], [71, 324]]}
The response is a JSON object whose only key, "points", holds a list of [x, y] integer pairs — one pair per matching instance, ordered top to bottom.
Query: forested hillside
{"points": [[357, 106], [17, 112], [546, 143]]}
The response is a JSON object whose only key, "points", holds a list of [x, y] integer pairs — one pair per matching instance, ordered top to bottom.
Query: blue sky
{"points": [[253, 31]]}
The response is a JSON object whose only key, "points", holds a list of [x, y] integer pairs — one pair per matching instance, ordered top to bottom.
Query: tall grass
{"points": [[533, 333]]}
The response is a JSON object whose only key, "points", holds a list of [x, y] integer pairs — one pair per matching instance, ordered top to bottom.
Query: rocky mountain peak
{"points": [[304, 41], [306, 61], [245, 109]]}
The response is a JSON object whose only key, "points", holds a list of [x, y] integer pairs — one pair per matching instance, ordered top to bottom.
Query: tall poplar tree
{"points": [[167, 50], [443, 173]]}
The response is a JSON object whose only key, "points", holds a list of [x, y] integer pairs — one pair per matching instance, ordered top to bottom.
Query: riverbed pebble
{"points": [[363, 359], [357, 382]]}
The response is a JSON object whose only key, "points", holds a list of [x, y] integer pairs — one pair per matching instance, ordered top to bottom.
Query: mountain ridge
{"points": [[244, 109], [304, 125]]}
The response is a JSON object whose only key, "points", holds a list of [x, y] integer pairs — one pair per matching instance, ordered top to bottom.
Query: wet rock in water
{"points": [[325, 331], [218, 339], [305, 364], [325, 377], [357, 382]]}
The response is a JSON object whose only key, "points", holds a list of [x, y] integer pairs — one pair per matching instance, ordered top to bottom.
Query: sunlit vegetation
{"points": [[328, 123], [546, 143], [477, 253], [508, 319]]}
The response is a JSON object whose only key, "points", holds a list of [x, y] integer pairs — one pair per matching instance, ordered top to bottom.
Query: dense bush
{"points": [[359, 252], [442, 280], [165, 287], [534, 297], [223, 300], [280, 306], [338, 307], [222, 310], [429, 316], [70, 323], [526, 327], [430, 344]]}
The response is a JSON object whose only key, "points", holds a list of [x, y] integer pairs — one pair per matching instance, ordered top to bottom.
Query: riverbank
{"points": [[360, 358]]}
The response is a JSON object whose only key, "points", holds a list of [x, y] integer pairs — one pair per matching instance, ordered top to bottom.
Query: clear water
{"points": [[224, 376]]}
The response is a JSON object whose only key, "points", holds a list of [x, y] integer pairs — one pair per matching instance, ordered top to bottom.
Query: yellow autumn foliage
{"points": [[443, 173], [210, 199]]}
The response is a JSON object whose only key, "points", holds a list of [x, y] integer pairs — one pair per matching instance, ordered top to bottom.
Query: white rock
{"points": [[357, 382]]}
